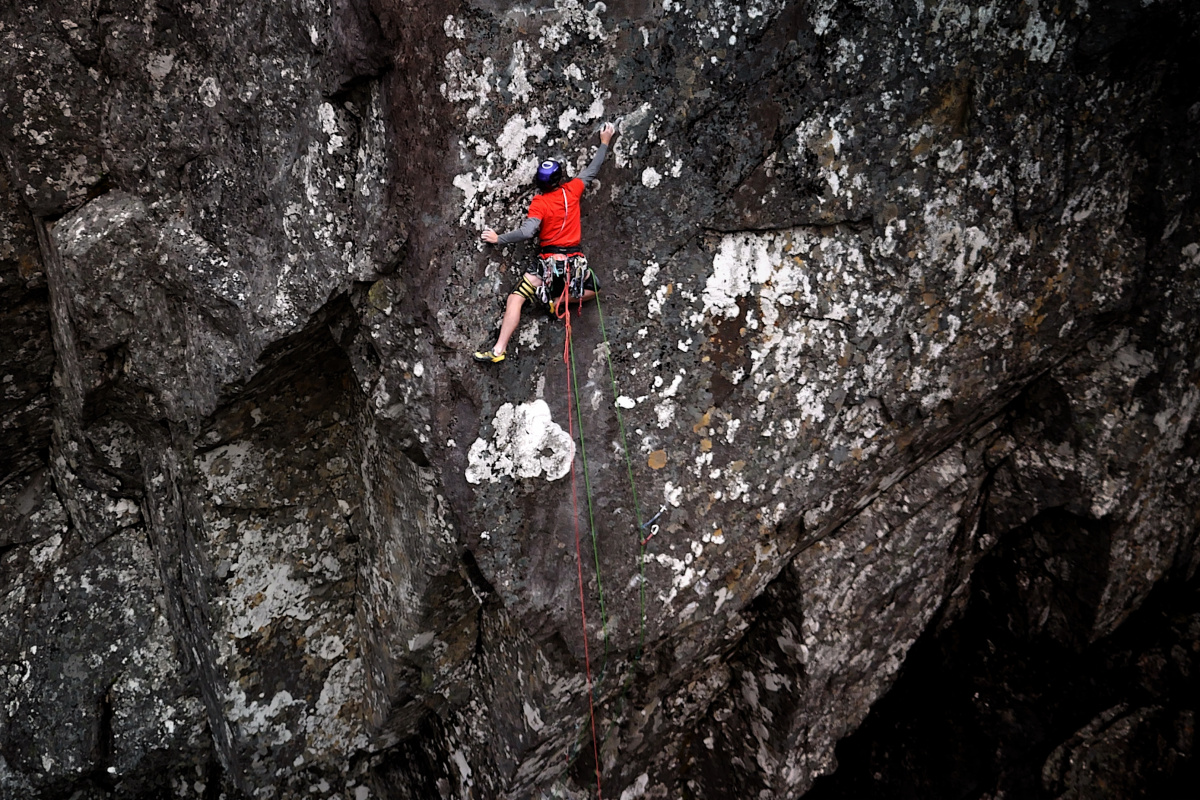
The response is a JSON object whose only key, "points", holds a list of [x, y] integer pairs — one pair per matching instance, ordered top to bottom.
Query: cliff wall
{"points": [[897, 332]]}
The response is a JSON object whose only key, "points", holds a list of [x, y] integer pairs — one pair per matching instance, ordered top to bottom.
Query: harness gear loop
{"points": [[571, 269], [576, 286]]}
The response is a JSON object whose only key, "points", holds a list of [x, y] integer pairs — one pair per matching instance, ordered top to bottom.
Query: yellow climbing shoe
{"points": [[488, 357]]}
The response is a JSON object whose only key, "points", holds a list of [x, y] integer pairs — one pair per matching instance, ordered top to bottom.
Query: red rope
{"points": [[564, 303]]}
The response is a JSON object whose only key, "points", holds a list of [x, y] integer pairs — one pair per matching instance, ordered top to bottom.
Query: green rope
{"points": [[587, 484], [595, 545]]}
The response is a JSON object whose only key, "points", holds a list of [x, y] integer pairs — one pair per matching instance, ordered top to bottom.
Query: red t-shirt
{"points": [[559, 212]]}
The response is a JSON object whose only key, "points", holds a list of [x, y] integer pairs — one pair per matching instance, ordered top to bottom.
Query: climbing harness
{"points": [[563, 269]]}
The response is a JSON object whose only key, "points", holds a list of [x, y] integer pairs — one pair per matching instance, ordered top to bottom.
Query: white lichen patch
{"points": [[572, 19], [455, 28], [1039, 38], [160, 67], [466, 84], [518, 85], [330, 126], [827, 136], [511, 141], [625, 145], [506, 167], [739, 264], [529, 335], [526, 443], [230, 472], [264, 589], [265, 721], [335, 725]]}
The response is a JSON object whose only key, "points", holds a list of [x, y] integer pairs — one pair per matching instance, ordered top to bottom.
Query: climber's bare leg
{"points": [[512, 316]]}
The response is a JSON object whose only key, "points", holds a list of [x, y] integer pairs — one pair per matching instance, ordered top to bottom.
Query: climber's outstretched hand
{"points": [[606, 132], [489, 236]]}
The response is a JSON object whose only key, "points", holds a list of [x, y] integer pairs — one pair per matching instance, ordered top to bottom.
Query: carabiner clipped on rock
{"points": [[650, 524]]}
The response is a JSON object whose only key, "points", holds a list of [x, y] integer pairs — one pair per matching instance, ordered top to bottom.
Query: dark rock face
{"points": [[898, 336], [1015, 698]]}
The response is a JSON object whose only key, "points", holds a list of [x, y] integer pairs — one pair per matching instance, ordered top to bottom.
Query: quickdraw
{"points": [[650, 523]]}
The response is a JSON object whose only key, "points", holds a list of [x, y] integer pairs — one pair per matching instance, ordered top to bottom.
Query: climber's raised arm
{"points": [[590, 172]]}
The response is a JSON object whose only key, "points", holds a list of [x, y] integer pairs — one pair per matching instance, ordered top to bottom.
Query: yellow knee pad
{"points": [[526, 289]]}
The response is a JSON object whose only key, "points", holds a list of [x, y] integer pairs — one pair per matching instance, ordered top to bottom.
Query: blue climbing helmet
{"points": [[549, 175]]}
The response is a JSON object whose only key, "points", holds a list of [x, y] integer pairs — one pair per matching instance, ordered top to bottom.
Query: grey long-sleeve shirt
{"points": [[530, 225]]}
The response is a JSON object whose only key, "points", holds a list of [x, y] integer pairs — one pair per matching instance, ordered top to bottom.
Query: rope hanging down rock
{"points": [[563, 311], [643, 531]]}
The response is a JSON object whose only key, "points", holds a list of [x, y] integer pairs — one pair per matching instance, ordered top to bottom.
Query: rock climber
{"points": [[554, 216]]}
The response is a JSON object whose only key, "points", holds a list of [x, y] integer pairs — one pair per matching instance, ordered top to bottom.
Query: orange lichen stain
{"points": [[28, 266], [1034, 320], [933, 322], [703, 423], [705, 445], [856, 453], [657, 459], [737, 466]]}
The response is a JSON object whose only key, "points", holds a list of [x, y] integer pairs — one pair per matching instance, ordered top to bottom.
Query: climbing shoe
{"points": [[488, 357]]}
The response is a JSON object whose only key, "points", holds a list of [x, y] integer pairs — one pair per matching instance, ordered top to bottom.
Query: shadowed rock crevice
{"points": [[996, 702]]}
